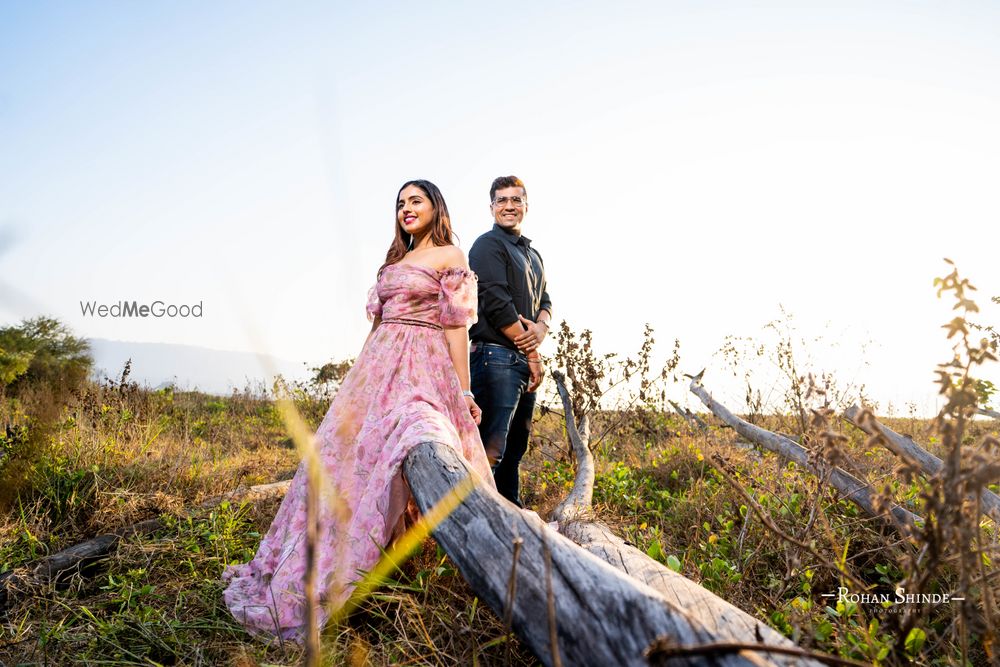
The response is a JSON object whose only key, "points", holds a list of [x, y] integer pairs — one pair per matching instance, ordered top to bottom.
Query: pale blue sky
{"points": [[690, 165]]}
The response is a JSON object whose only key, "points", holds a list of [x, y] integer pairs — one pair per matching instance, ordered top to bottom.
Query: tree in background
{"points": [[42, 351], [43, 366]]}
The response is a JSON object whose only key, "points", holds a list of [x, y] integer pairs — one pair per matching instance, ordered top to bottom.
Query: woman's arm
{"points": [[375, 322], [458, 337], [458, 349]]}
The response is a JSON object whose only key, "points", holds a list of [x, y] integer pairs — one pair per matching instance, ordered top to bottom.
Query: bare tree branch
{"points": [[988, 413], [905, 448], [855, 490]]}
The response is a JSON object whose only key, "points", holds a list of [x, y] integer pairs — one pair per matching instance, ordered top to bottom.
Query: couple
{"points": [[413, 382]]}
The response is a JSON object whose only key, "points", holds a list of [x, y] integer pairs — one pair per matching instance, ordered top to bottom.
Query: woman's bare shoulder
{"points": [[449, 256]]}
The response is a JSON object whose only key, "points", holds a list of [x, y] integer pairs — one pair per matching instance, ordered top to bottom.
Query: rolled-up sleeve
{"points": [[489, 260], [546, 303]]}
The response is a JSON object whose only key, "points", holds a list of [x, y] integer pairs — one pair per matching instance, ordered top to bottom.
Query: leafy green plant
{"points": [[42, 350]]}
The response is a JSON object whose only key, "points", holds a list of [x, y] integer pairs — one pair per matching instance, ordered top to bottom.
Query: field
{"points": [[757, 530]]}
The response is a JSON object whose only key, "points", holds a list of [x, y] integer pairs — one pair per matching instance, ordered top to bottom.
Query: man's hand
{"points": [[529, 341], [537, 371]]}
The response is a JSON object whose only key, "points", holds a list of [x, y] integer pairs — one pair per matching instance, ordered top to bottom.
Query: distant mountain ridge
{"points": [[188, 366]]}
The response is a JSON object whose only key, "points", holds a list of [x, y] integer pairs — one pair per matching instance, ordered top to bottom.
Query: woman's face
{"points": [[414, 211]]}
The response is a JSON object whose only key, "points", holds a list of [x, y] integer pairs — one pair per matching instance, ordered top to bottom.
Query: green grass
{"points": [[119, 457]]}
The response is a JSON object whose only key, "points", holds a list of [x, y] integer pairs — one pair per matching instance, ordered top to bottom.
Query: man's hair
{"points": [[502, 182]]}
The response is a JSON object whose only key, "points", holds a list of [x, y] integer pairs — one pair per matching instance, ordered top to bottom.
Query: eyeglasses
{"points": [[516, 202]]}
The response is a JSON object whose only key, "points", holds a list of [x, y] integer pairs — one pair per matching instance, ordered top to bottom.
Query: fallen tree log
{"points": [[688, 415], [900, 445], [905, 448], [852, 488], [581, 496], [577, 522], [78, 558], [569, 607]]}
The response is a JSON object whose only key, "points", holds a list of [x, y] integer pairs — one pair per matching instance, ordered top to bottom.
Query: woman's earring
{"points": [[410, 246]]}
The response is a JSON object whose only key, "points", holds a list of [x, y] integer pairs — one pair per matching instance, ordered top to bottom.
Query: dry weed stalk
{"points": [[629, 396], [949, 555]]}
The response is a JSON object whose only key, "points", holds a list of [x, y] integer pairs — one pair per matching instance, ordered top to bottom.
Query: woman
{"points": [[409, 385]]}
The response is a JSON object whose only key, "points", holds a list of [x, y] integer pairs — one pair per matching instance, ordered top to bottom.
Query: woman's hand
{"points": [[477, 414]]}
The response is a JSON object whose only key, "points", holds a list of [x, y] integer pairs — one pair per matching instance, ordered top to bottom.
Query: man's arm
{"points": [[489, 260], [545, 305], [535, 332], [533, 336]]}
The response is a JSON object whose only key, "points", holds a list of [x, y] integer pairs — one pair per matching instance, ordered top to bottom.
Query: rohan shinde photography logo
{"points": [[136, 309], [899, 597]]}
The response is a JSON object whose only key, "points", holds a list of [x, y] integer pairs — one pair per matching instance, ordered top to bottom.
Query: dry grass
{"points": [[121, 454]]}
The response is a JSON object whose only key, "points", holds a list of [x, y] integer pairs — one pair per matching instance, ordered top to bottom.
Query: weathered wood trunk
{"points": [[988, 413], [688, 415], [899, 445], [905, 448], [852, 488], [581, 496], [577, 522], [601, 616], [724, 620]]}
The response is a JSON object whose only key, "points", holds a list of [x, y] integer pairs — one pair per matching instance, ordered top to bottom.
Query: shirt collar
{"points": [[510, 237]]}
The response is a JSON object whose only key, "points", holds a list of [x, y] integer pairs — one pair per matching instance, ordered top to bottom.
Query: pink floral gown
{"points": [[401, 391]]}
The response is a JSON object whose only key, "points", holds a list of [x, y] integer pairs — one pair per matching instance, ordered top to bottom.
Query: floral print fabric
{"points": [[401, 391]]}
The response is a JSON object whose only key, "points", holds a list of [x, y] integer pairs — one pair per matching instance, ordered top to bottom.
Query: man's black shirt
{"points": [[511, 282]]}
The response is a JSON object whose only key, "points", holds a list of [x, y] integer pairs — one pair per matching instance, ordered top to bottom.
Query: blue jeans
{"points": [[500, 378]]}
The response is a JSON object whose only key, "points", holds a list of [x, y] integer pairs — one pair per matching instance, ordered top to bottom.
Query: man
{"points": [[514, 315]]}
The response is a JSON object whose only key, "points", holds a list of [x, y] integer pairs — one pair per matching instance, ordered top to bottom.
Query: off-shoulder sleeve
{"points": [[459, 298], [374, 307]]}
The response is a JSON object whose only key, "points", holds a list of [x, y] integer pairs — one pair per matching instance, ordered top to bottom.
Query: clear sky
{"points": [[697, 166]]}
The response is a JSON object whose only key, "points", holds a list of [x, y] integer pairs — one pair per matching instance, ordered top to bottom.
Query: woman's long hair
{"points": [[441, 233]]}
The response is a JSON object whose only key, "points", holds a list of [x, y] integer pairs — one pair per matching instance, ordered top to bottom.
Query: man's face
{"points": [[509, 206]]}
